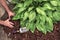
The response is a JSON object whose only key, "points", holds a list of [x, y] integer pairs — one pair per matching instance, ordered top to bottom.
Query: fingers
{"points": [[11, 23], [10, 26]]}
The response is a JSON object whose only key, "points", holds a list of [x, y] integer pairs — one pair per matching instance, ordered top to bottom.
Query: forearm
{"points": [[4, 4]]}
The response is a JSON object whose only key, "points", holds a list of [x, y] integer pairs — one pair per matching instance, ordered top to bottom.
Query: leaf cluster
{"points": [[37, 14]]}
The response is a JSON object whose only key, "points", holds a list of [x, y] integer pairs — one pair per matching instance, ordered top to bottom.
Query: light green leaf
{"points": [[27, 3], [54, 3], [18, 5], [47, 6], [30, 8], [21, 9], [40, 11], [26, 14], [32, 16], [56, 16], [16, 17], [49, 24], [32, 27], [41, 28]]}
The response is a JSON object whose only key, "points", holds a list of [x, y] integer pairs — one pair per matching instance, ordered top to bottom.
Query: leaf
{"points": [[38, 0], [14, 1], [27, 3], [54, 3], [58, 3], [18, 5], [47, 6], [30, 8], [21, 9], [40, 11], [49, 13], [26, 14], [21, 16], [32, 16], [56, 16], [16, 17], [42, 19], [22, 23], [49, 24], [31, 26], [41, 28]]}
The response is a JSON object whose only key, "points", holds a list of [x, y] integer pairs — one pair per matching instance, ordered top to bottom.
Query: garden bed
{"points": [[37, 35], [55, 35]]}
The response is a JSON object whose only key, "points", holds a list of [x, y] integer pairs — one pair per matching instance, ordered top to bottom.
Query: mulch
{"points": [[54, 35]]}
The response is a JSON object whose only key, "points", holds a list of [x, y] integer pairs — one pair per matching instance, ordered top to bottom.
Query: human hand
{"points": [[10, 13], [8, 23]]}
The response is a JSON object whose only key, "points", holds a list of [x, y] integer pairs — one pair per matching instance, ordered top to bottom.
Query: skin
{"points": [[10, 13]]}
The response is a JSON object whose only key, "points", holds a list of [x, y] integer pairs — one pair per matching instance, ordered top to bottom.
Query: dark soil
{"points": [[55, 35]]}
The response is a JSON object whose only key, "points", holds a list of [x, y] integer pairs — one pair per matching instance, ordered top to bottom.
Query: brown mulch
{"points": [[55, 35]]}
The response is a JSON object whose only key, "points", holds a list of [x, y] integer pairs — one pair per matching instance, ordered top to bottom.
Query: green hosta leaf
{"points": [[38, 0], [14, 1], [27, 3], [54, 3], [58, 3], [18, 5], [47, 6], [30, 8], [58, 8], [21, 9], [40, 11], [49, 13], [26, 14], [21, 16], [32, 16], [56, 16], [16, 17], [42, 19], [22, 23], [49, 24], [31, 26], [41, 27]]}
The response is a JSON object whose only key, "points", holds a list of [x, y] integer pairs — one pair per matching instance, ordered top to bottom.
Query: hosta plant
{"points": [[37, 14]]}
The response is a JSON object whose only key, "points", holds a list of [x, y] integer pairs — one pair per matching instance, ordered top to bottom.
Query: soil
{"points": [[54, 35]]}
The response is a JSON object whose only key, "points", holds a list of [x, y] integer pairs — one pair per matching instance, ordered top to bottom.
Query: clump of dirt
{"points": [[54, 35]]}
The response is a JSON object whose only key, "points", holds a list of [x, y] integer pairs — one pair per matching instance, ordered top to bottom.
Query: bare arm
{"points": [[4, 4], [10, 13]]}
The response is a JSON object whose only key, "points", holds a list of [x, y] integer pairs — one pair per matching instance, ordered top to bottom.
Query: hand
{"points": [[10, 13], [8, 23]]}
